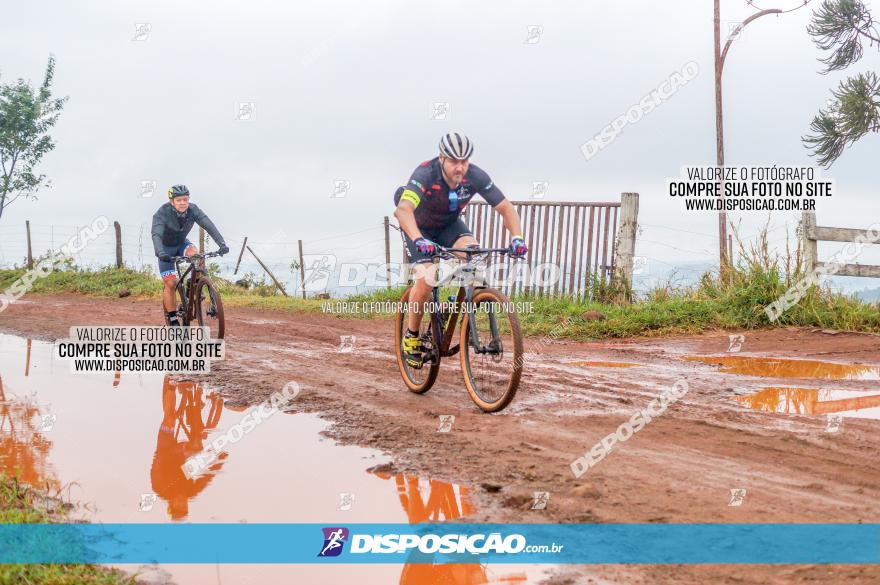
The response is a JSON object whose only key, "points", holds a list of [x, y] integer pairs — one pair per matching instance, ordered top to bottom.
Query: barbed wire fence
{"points": [[279, 252]]}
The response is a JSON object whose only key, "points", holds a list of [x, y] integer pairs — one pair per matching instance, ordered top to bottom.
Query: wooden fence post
{"points": [[118, 229], [201, 240], [626, 242], [808, 244], [388, 251], [240, 254], [30, 257], [302, 268], [269, 272]]}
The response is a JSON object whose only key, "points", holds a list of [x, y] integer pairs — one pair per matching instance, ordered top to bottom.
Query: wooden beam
{"points": [[118, 230], [832, 234], [626, 242], [808, 245], [387, 250], [240, 254], [30, 255], [302, 268], [868, 270], [269, 272], [844, 404]]}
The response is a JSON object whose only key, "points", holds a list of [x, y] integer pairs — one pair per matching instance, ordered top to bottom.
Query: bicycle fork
{"points": [[495, 343]]}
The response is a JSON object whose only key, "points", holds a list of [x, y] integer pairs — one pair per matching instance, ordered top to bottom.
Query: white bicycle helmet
{"points": [[456, 145]]}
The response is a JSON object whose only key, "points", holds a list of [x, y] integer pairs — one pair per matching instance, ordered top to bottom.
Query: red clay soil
{"points": [[679, 468]]}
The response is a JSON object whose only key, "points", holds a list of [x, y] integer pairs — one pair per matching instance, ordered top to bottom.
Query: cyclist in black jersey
{"points": [[429, 209], [171, 224]]}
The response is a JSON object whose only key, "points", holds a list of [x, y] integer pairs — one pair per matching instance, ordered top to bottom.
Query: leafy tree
{"points": [[26, 116]]}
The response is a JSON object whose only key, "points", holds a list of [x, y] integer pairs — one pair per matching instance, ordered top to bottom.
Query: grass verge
{"points": [[733, 301], [22, 504]]}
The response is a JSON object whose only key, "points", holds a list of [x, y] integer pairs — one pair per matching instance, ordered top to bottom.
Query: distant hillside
{"points": [[869, 294]]}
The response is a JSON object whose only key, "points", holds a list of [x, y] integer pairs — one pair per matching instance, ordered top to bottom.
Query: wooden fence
{"points": [[811, 235]]}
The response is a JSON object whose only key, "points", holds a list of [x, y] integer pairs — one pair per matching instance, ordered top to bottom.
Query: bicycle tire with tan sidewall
{"points": [[489, 295], [400, 324]]}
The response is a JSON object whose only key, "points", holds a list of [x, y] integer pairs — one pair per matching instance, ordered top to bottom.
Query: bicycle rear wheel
{"points": [[209, 308], [491, 370], [418, 380]]}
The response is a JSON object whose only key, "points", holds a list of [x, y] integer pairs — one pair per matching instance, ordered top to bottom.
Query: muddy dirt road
{"points": [[767, 426]]}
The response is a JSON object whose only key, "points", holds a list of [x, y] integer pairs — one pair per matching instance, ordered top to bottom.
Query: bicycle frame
{"points": [[187, 289], [466, 296]]}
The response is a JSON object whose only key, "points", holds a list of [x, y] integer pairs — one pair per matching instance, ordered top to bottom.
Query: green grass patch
{"points": [[106, 282], [734, 301], [22, 504]]}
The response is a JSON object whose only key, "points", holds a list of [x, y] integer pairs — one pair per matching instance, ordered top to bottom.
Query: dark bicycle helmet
{"points": [[177, 191]]}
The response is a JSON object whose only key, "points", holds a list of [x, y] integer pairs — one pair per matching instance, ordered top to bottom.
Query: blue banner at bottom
{"points": [[441, 543]]}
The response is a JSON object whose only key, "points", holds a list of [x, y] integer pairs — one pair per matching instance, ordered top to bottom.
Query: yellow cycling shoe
{"points": [[412, 350]]}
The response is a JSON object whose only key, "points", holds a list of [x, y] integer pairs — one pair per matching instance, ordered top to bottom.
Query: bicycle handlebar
{"points": [[477, 250], [448, 252], [195, 257]]}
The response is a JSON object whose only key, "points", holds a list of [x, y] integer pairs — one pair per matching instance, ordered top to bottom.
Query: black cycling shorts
{"points": [[446, 237]]}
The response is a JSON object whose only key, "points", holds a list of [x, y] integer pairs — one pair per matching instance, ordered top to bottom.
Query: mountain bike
{"points": [[199, 300], [490, 341]]}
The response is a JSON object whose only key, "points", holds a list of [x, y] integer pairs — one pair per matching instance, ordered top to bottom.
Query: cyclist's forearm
{"points": [[511, 218], [407, 220], [212, 230], [156, 234], [157, 243]]}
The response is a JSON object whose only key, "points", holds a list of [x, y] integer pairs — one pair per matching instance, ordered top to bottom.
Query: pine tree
{"points": [[841, 27]]}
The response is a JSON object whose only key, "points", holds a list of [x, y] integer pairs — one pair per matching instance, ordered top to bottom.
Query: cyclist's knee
{"points": [[466, 241], [423, 274], [170, 282], [421, 285]]}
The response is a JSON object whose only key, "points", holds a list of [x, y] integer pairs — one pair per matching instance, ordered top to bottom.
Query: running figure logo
{"points": [[317, 269], [334, 539]]}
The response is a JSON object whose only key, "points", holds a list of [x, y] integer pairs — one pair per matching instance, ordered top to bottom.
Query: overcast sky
{"points": [[343, 91]]}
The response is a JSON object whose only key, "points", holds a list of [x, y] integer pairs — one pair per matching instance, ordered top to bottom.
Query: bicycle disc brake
{"points": [[429, 349], [496, 350]]}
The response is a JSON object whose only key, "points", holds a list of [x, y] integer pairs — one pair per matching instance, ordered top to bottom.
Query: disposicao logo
{"points": [[334, 540], [446, 544]]}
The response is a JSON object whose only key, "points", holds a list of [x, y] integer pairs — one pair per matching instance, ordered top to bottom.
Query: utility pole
{"points": [[720, 55], [719, 135]]}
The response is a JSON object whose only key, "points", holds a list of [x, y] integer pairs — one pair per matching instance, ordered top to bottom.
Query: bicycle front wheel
{"points": [[209, 308], [491, 355]]}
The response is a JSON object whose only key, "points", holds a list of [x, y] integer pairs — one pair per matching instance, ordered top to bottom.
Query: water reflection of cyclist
{"points": [[168, 479], [444, 502]]}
